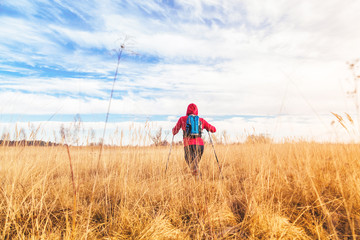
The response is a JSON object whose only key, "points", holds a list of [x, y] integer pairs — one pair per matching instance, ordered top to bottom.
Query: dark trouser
{"points": [[193, 155]]}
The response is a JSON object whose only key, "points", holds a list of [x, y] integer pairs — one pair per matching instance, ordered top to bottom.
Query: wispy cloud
{"points": [[235, 57]]}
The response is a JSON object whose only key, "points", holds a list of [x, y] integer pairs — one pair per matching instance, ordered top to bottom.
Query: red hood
{"points": [[192, 109]]}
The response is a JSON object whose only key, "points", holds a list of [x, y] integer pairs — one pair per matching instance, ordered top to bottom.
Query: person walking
{"points": [[192, 127]]}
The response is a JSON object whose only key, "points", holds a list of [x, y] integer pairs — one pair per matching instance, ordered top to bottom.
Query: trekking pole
{"points": [[169, 153], [217, 160]]}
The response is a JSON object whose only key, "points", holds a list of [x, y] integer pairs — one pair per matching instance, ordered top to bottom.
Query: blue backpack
{"points": [[193, 126]]}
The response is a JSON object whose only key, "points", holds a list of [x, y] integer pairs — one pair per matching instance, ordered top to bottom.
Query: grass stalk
{"points": [[73, 226]]}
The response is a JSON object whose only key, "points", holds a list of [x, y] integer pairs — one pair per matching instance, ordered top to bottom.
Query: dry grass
{"points": [[279, 191]]}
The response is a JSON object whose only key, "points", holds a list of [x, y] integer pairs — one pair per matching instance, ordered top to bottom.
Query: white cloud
{"points": [[231, 58], [54, 86]]}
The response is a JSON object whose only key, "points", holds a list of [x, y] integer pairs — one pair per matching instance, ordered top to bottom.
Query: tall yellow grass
{"points": [[269, 191]]}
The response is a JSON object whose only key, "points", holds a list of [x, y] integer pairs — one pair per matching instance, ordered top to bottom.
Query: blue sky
{"points": [[275, 66]]}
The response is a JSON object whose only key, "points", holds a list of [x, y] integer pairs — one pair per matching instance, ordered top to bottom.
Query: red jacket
{"points": [[181, 124]]}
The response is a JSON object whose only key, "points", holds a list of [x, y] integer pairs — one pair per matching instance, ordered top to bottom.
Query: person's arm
{"points": [[208, 126], [177, 127]]}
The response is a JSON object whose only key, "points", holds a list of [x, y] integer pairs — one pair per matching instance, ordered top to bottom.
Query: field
{"points": [[294, 190]]}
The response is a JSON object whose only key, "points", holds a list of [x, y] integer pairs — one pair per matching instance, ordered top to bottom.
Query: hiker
{"points": [[192, 127]]}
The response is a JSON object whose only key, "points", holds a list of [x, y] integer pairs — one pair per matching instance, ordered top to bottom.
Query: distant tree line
{"points": [[27, 143]]}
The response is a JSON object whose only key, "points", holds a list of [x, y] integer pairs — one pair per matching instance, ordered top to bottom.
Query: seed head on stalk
{"points": [[123, 47]]}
